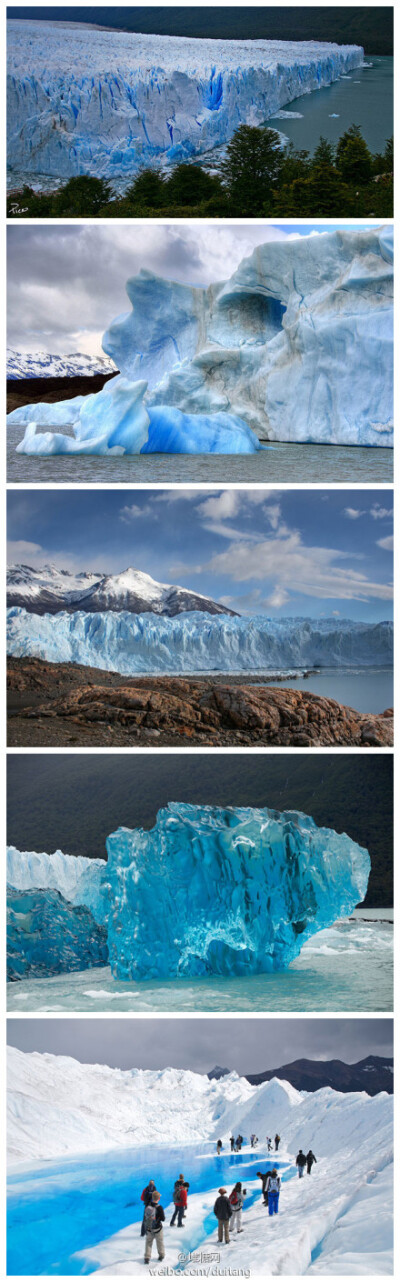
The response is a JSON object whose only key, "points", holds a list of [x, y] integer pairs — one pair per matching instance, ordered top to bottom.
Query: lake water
{"points": [[364, 97], [301, 464], [365, 689], [346, 967], [66, 1206]]}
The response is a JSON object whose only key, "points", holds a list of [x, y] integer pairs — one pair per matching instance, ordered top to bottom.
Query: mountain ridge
{"points": [[49, 590], [373, 1073]]}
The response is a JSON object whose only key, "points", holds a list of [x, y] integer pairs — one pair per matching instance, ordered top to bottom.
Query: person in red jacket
{"points": [[180, 1202]]}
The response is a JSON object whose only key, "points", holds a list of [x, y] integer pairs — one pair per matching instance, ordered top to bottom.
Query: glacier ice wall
{"points": [[108, 103], [298, 343], [296, 346], [196, 642], [81, 882], [207, 890], [228, 892], [46, 935]]}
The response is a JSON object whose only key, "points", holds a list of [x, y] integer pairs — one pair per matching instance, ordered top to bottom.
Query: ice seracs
{"points": [[84, 101], [297, 346], [195, 641], [238, 891]]}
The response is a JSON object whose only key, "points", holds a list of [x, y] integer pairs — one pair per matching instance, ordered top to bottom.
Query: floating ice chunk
{"points": [[229, 892], [46, 935]]}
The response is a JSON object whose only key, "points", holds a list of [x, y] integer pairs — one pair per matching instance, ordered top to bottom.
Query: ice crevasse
{"points": [[111, 102], [296, 346], [196, 642], [210, 890]]}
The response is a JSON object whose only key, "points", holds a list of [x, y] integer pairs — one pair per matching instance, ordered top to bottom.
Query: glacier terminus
{"points": [[112, 102], [296, 346], [206, 891]]}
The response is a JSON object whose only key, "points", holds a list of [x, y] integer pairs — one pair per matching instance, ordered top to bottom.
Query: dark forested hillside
{"points": [[370, 27], [74, 802]]}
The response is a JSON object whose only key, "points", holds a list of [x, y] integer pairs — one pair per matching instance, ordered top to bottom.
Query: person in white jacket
{"points": [[236, 1198]]}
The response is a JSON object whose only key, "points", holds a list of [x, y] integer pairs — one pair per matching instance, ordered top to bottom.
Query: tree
{"points": [[324, 154], [353, 158], [251, 168], [191, 185], [147, 190], [322, 191], [81, 197], [29, 204]]}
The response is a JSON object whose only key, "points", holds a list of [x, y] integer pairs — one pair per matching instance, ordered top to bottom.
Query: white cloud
{"points": [[134, 511], [353, 513], [379, 513], [387, 544], [18, 550], [309, 570], [278, 598]]}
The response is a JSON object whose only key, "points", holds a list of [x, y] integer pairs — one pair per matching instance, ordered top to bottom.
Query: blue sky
{"points": [[60, 302], [280, 553]]}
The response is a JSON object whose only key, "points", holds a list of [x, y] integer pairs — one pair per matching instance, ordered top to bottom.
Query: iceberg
{"points": [[87, 101], [297, 346], [115, 421], [196, 642], [81, 882], [206, 891], [226, 892], [47, 936]]}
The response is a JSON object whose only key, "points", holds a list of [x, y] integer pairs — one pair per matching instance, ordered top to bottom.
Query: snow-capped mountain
{"points": [[45, 365], [50, 590]]}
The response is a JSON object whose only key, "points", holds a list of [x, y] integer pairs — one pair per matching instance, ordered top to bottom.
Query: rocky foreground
{"points": [[61, 703]]}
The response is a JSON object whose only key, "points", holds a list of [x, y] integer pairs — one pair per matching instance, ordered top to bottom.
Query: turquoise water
{"points": [[364, 97], [348, 967], [67, 1206]]}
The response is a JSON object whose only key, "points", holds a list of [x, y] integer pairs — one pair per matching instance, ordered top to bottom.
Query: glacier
{"points": [[108, 103], [296, 346], [196, 642], [234, 891], [227, 892], [47, 936]]}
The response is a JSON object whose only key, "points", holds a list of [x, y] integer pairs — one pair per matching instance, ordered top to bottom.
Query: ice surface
{"points": [[108, 103], [296, 346], [197, 642], [80, 881], [229, 892], [48, 936]]}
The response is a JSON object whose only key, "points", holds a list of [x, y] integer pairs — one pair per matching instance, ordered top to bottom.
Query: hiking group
{"points": [[227, 1208]]}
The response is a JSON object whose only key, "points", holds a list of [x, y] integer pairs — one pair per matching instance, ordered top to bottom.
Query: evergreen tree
{"points": [[353, 158], [252, 167], [191, 185], [147, 190], [81, 197]]}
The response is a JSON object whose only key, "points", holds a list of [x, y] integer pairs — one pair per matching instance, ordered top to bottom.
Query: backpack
{"points": [[273, 1186], [176, 1196], [233, 1197], [149, 1218]]}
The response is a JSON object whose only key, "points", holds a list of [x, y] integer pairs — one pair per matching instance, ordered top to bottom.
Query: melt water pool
{"points": [[70, 1205]]}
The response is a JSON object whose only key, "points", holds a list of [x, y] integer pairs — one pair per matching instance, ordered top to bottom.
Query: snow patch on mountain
{"points": [[22, 365], [51, 589]]}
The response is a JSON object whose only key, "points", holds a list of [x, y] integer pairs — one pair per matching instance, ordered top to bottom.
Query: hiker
{"points": [[252, 1138], [255, 1141], [232, 1142], [239, 1142], [277, 1142], [269, 1143], [219, 1147], [310, 1159], [301, 1162], [264, 1176], [187, 1187], [273, 1189], [146, 1196], [179, 1198], [236, 1198], [223, 1212], [153, 1225]]}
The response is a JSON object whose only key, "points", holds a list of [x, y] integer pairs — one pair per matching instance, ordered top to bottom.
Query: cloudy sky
{"points": [[66, 283], [289, 552], [247, 1045]]}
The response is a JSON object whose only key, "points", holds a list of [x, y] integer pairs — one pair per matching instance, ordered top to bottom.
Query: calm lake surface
{"points": [[364, 97], [279, 463], [347, 967]]}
